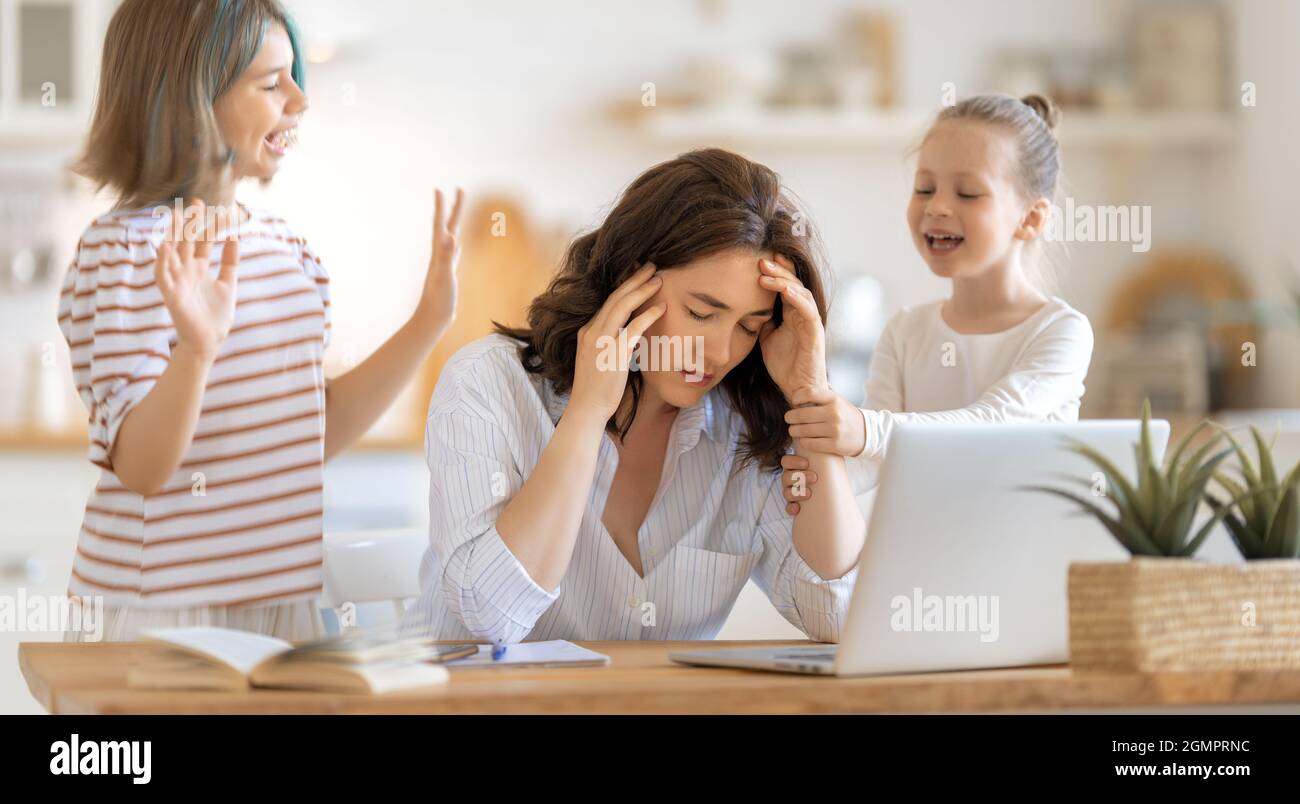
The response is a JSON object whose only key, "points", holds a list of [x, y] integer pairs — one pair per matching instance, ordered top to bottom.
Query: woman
{"points": [[573, 498]]}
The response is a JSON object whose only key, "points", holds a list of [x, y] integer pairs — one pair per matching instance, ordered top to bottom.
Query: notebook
{"points": [[551, 653]]}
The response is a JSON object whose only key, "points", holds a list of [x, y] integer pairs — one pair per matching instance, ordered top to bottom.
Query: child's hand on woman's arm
{"points": [[824, 422]]}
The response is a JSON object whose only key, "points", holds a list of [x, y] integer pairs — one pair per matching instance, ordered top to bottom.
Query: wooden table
{"points": [[90, 678]]}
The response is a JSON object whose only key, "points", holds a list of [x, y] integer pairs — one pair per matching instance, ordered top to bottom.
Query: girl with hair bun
{"points": [[999, 348]]}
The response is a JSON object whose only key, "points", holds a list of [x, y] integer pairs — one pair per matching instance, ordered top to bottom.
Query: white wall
{"points": [[507, 96]]}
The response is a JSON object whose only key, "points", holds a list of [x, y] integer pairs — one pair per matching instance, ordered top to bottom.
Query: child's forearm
{"points": [[356, 399], [156, 433], [540, 523], [829, 531]]}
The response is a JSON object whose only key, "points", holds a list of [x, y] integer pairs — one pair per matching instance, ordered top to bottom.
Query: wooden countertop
{"points": [[70, 678]]}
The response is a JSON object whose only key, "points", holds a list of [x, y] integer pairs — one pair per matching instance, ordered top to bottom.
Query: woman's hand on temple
{"points": [[795, 351], [600, 373]]}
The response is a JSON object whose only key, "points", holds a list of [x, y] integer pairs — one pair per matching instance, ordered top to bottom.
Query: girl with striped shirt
{"points": [[197, 330]]}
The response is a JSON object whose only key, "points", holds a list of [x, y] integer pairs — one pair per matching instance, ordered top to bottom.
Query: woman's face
{"points": [[258, 116], [713, 301]]}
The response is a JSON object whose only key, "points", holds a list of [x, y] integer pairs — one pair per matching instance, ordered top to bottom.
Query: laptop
{"points": [[962, 569]]}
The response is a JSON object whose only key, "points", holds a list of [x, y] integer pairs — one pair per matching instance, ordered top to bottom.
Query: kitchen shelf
{"points": [[814, 128], [41, 440]]}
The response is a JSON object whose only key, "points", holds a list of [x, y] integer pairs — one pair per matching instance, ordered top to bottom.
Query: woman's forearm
{"points": [[356, 399], [156, 433], [540, 523], [829, 531]]}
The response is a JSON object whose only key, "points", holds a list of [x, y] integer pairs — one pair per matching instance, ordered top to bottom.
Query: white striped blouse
{"points": [[240, 520], [707, 532]]}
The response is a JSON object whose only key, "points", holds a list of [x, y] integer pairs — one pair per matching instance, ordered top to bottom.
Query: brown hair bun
{"points": [[1044, 108]]}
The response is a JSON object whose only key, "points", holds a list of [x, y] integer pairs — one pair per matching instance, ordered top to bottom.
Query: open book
{"points": [[226, 659]]}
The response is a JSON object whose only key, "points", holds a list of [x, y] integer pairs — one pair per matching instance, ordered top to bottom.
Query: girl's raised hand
{"points": [[438, 300], [202, 306], [794, 352], [600, 375]]}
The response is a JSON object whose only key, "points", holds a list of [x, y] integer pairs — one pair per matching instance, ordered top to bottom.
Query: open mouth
{"points": [[278, 142], [943, 242], [693, 378]]}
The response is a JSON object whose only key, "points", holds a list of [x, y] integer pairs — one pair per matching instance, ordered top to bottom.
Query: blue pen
{"points": [[498, 650]]}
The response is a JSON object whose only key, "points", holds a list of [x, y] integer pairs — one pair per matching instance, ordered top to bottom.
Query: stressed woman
{"points": [[580, 490]]}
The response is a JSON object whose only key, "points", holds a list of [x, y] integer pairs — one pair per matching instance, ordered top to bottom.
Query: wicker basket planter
{"points": [[1154, 614]]}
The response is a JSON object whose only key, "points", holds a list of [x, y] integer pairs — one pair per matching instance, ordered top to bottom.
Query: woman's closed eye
{"points": [[273, 87], [698, 317]]}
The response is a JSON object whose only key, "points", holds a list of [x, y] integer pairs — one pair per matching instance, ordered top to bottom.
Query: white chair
{"points": [[367, 566]]}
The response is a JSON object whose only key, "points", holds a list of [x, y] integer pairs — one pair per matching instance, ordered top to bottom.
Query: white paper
{"points": [[551, 652]]}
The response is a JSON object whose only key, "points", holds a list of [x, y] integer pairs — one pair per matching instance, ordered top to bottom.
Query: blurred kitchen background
{"points": [[544, 111]]}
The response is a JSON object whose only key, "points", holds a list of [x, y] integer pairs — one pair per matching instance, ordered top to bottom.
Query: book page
{"points": [[241, 650]]}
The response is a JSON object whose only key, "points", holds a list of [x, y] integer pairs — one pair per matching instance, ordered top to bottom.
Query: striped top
{"points": [[240, 520], [707, 532]]}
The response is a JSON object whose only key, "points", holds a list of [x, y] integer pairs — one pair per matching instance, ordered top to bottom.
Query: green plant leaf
{"points": [[1186, 440], [1197, 459], [1172, 460], [1244, 464], [1266, 474], [1114, 477], [1201, 477], [1290, 480], [1235, 489], [1144, 498], [1248, 506], [1206, 529], [1172, 531], [1285, 533], [1132, 539], [1249, 543]]}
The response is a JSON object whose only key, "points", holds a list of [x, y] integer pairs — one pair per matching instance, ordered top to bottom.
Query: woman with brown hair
{"points": [[584, 490]]}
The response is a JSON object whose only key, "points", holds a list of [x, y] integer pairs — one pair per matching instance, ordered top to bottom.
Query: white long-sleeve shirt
{"points": [[923, 370], [707, 532]]}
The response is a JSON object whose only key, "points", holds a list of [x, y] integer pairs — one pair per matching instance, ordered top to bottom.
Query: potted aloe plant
{"points": [[1266, 522], [1163, 609]]}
